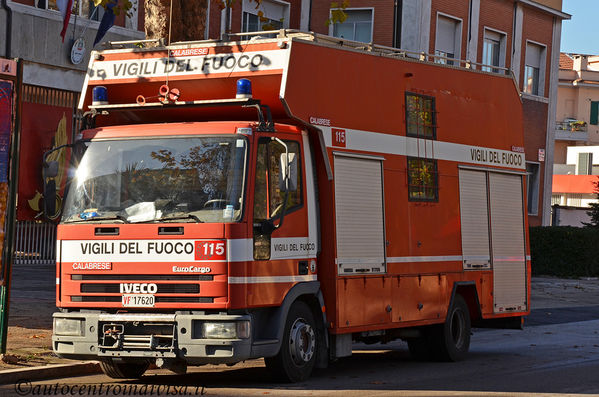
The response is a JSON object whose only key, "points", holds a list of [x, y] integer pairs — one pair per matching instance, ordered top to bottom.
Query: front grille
{"points": [[143, 277], [162, 288], [168, 289], [158, 299]]}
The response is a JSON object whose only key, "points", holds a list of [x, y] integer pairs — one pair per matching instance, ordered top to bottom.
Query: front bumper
{"points": [[151, 336]]}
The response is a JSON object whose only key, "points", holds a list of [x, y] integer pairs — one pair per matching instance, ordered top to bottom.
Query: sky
{"points": [[580, 34]]}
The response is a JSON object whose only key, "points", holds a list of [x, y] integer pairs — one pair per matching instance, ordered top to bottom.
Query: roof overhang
{"points": [[549, 10]]}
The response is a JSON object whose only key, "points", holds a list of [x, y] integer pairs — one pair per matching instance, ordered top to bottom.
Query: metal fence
{"points": [[35, 243]]}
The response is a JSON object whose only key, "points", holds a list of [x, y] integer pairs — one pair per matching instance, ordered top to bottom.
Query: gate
{"points": [[35, 243]]}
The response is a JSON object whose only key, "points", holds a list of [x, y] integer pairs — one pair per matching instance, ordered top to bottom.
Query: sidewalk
{"points": [[33, 302]]}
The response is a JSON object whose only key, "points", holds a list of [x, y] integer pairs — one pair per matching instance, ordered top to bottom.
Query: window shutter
{"points": [[446, 35], [533, 55], [594, 113], [585, 164], [359, 213], [508, 245]]}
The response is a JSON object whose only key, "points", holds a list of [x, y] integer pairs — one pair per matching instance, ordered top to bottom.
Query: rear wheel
{"points": [[453, 337], [297, 356], [123, 370]]}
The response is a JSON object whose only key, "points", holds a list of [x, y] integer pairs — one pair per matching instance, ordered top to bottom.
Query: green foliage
{"points": [[338, 14], [565, 251]]}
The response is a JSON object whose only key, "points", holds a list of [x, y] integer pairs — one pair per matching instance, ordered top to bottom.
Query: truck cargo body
{"points": [[404, 184]]}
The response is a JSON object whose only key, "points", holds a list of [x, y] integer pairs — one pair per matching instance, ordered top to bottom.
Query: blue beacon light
{"points": [[244, 88], [99, 96]]}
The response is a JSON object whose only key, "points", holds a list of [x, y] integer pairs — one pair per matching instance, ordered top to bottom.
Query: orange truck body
{"points": [[373, 260]]}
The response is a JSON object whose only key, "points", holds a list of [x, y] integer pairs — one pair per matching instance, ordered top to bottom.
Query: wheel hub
{"points": [[302, 342]]}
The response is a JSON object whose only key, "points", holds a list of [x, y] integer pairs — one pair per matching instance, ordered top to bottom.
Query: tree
{"points": [[188, 16], [593, 212]]}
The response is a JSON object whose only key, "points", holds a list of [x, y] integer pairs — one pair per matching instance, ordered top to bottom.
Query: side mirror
{"points": [[288, 162], [50, 169], [50, 198], [267, 227]]}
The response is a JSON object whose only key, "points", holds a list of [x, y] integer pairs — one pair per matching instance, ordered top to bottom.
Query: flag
{"points": [[65, 7], [106, 22]]}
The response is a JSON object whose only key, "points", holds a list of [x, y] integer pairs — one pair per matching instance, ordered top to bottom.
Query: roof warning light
{"points": [[244, 88], [99, 96]]}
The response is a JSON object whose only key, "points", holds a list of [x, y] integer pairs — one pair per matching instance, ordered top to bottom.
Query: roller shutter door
{"points": [[359, 215], [474, 216], [508, 243]]}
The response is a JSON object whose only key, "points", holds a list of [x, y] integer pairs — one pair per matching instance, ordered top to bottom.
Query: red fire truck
{"points": [[284, 197]]}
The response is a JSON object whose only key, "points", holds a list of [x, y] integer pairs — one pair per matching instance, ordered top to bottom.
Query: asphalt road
{"points": [[551, 358]]}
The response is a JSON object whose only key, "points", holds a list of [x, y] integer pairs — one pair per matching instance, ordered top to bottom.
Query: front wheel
{"points": [[297, 356], [123, 370]]}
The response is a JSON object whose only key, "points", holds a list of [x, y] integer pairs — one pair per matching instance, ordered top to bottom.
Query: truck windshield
{"points": [[192, 179]]}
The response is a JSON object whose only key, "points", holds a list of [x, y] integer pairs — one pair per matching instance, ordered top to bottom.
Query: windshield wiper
{"points": [[175, 217], [102, 218]]}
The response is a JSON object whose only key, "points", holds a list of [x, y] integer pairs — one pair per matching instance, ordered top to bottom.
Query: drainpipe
{"points": [[397, 22], [8, 28]]}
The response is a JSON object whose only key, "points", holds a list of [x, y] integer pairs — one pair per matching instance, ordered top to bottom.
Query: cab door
{"points": [[282, 247]]}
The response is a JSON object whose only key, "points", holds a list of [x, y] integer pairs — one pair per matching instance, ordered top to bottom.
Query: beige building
{"points": [[577, 112], [576, 156]]}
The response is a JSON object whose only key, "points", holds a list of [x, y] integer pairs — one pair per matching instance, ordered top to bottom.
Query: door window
{"points": [[269, 199]]}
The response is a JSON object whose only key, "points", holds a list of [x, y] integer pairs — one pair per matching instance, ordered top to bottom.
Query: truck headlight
{"points": [[68, 326], [226, 330]]}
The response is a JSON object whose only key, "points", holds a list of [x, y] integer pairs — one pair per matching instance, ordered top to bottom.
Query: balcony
{"points": [[571, 130]]}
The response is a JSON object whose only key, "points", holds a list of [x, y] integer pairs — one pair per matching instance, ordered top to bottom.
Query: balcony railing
{"points": [[574, 126], [572, 130]]}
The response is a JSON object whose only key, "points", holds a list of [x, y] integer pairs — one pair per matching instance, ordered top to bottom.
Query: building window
{"points": [[82, 8], [265, 15], [131, 18], [256, 23], [357, 26], [448, 39], [493, 50], [534, 70], [531, 80], [420, 116], [594, 119], [584, 165], [422, 179], [532, 187]]}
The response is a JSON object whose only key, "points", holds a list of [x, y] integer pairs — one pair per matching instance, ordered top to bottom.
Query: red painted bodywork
{"points": [[353, 90]]}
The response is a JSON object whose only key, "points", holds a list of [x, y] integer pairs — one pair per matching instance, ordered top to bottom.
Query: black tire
{"points": [[453, 337], [297, 356], [123, 370]]}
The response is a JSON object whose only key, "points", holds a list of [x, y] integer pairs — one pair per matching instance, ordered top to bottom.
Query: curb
{"points": [[49, 372]]}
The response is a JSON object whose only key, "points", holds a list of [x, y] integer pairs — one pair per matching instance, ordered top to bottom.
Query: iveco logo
{"points": [[138, 288]]}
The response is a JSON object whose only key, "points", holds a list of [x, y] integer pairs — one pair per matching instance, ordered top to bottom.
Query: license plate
{"points": [[138, 300]]}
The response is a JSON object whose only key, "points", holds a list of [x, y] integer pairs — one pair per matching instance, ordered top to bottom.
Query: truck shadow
{"points": [[364, 370]]}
